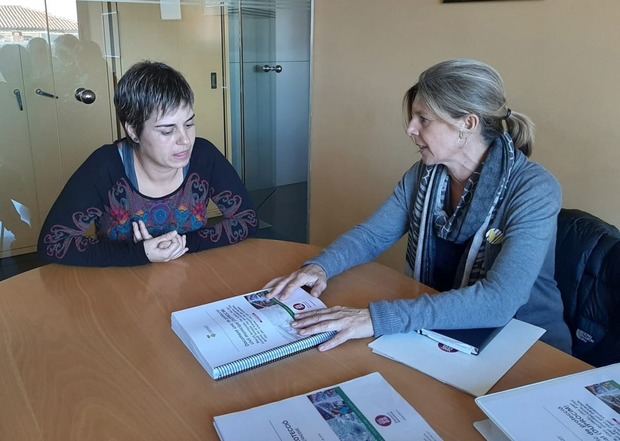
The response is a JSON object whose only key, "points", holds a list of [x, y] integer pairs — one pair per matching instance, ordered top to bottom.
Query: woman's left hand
{"points": [[349, 322]]}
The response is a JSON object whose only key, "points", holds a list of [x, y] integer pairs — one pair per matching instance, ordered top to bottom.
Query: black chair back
{"points": [[587, 270]]}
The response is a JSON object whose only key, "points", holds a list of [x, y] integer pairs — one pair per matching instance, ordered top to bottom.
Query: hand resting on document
{"points": [[311, 275], [349, 322]]}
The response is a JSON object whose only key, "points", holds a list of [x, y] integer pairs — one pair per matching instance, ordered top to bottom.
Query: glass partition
{"points": [[269, 54], [269, 59]]}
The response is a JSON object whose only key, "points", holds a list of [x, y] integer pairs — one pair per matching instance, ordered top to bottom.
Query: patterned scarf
{"points": [[483, 194]]}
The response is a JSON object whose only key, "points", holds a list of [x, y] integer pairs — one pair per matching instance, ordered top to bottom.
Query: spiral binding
{"points": [[256, 360]]}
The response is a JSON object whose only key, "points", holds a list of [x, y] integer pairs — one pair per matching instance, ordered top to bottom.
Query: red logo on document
{"points": [[299, 306], [446, 348], [383, 420]]}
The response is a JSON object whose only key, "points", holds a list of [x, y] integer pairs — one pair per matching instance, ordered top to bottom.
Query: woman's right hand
{"points": [[166, 247], [310, 275]]}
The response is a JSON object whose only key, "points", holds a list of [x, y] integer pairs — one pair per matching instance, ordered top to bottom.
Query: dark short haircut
{"points": [[148, 87]]}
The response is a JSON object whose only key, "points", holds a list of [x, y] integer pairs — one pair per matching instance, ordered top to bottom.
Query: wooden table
{"points": [[88, 353]]}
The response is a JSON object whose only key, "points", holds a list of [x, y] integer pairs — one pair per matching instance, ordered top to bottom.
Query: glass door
{"points": [[270, 90], [51, 132], [29, 153], [18, 226]]}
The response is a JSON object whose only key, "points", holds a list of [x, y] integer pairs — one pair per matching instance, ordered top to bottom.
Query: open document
{"points": [[243, 332], [474, 374], [578, 407], [364, 409]]}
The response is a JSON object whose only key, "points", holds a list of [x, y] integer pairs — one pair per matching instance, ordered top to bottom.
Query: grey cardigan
{"points": [[519, 280]]}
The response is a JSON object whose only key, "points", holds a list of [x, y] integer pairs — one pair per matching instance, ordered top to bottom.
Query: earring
{"points": [[460, 135]]}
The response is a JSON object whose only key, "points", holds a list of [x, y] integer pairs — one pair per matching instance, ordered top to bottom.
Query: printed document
{"points": [[240, 327], [579, 407], [364, 409]]}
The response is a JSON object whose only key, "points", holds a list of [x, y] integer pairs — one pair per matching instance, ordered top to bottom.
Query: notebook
{"points": [[243, 332], [470, 341], [475, 375]]}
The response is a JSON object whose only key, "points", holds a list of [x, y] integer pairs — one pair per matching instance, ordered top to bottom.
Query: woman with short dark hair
{"points": [[147, 194], [480, 218]]}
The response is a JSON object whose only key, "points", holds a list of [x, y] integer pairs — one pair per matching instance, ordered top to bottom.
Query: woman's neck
{"points": [[473, 154], [460, 170], [153, 180]]}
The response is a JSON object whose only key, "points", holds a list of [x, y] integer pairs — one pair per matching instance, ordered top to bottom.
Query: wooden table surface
{"points": [[88, 353]]}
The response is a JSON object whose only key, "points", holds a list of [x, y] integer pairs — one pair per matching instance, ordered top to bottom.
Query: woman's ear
{"points": [[471, 121], [131, 133]]}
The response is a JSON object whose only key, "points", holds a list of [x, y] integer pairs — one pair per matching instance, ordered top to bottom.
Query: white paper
{"points": [[474, 374], [579, 407], [366, 408], [489, 431]]}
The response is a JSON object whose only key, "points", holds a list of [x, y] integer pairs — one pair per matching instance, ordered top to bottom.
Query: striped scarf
{"points": [[484, 192]]}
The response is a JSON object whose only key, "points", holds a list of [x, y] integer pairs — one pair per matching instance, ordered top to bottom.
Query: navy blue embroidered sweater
{"points": [[100, 193]]}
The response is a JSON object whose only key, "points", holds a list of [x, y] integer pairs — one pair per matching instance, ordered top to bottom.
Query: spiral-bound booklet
{"points": [[243, 332]]}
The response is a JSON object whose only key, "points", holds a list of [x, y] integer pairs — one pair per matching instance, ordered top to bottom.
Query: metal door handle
{"points": [[267, 68], [44, 93], [85, 96], [18, 97]]}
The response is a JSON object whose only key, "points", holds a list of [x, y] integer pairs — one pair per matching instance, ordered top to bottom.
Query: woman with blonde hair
{"points": [[479, 215]]}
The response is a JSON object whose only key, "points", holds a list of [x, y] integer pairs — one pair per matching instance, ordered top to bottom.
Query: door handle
{"points": [[267, 68], [213, 80], [44, 93], [85, 96], [18, 97]]}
